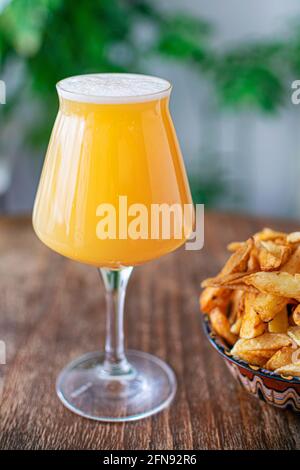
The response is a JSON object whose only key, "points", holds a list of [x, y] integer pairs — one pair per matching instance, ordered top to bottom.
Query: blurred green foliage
{"points": [[53, 39]]}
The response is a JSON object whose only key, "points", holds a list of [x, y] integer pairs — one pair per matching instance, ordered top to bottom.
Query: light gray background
{"points": [[260, 154]]}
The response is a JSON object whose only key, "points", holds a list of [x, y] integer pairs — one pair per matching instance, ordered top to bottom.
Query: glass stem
{"points": [[115, 282]]}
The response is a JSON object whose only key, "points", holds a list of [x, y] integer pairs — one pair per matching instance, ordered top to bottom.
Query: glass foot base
{"points": [[86, 390]]}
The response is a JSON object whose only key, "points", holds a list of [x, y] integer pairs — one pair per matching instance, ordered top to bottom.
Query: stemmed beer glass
{"points": [[112, 168]]}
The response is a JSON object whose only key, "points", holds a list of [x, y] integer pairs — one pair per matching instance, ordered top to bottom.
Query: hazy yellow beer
{"points": [[123, 144], [113, 193]]}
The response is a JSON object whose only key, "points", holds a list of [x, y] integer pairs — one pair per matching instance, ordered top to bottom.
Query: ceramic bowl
{"points": [[283, 392]]}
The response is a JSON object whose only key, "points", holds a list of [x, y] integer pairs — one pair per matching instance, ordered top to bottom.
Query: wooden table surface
{"points": [[52, 310]]}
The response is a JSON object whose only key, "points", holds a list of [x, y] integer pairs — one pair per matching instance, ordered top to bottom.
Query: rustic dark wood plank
{"points": [[52, 310]]}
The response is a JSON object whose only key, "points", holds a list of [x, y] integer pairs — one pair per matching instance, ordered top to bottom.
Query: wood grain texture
{"points": [[52, 310]]}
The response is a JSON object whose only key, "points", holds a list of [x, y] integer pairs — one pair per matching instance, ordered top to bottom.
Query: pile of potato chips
{"points": [[254, 302]]}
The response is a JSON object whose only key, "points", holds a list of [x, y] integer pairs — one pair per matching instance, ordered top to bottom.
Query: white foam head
{"points": [[113, 88]]}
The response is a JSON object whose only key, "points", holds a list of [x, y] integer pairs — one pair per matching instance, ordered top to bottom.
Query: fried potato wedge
{"points": [[269, 234], [293, 237], [234, 246], [272, 255], [238, 260], [253, 262], [292, 266], [230, 281], [277, 283], [280, 284], [214, 297], [237, 301], [268, 306], [236, 311], [296, 315], [280, 322], [221, 325], [251, 325], [236, 326], [294, 333], [270, 341], [259, 350], [255, 357], [296, 357], [281, 358], [288, 370]]}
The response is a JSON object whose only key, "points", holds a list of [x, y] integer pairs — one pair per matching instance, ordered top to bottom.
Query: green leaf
{"points": [[23, 22], [184, 37], [251, 77]]}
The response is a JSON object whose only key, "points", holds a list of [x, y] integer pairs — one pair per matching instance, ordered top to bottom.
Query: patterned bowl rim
{"points": [[217, 343]]}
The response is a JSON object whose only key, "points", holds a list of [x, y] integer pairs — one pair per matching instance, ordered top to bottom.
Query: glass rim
{"points": [[72, 95]]}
